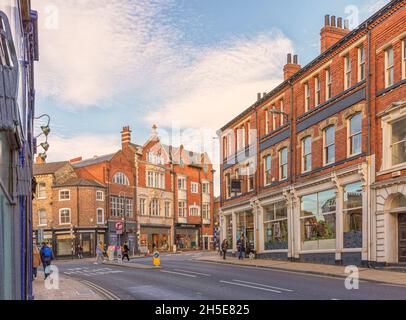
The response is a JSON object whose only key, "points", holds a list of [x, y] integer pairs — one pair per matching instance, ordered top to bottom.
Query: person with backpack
{"points": [[126, 251], [46, 258]]}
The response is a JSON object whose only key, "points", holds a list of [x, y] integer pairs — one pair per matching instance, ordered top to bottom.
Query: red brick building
{"points": [[314, 170]]}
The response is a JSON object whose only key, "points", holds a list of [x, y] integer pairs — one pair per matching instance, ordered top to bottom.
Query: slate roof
{"points": [[95, 160], [48, 168], [77, 182]]}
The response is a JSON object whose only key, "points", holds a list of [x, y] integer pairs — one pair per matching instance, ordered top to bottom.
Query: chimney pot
{"points": [[327, 20], [333, 21], [340, 23], [346, 24], [289, 58], [295, 59], [259, 96], [263, 96]]}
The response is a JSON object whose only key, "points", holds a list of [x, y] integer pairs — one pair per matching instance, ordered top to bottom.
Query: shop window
{"points": [[355, 134], [398, 143], [352, 215], [318, 220], [245, 226], [276, 227], [229, 230]]}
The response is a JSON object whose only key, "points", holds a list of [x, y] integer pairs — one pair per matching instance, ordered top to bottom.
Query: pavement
{"points": [[201, 276], [380, 276], [69, 289]]}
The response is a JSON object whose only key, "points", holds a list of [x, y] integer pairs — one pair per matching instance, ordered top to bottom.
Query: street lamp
{"points": [[274, 111], [46, 130], [124, 208]]}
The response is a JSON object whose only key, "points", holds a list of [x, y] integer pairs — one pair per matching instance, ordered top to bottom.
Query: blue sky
{"points": [[198, 63]]}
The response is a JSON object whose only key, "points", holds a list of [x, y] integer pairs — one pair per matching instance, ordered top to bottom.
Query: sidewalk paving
{"points": [[373, 275], [69, 289]]}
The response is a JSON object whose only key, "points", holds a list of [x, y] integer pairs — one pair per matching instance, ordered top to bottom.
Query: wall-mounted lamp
{"points": [[46, 130]]}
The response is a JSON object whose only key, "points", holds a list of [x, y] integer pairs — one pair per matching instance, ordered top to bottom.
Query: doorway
{"points": [[402, 237]]}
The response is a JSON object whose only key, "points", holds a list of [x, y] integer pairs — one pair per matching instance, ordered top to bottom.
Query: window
{"points": [[404, 59], [361, 63], [389, 68], [347, 72], [317, 91], [329, 92], [307, 96], [282, 115], [273, 119], [266, 121], [355, 134], [240, 138], [398, 143], [329, 145], [225, 148], [307, 154], [155, 158], [283, 164], [267, 170], [250, 176], [121, 178], [156, 180], [182, 183], [228, 185], [195, 187], [206, 187], [41, 193], [64, 195], [99, 195], [121, 206], [142, 207], [154, 209], [167, 209], [182, 209], [206, 211], [194, 212], [352, 215], [64, 216], [100, 216], [42, 218], [318, 220], [276, 226]]}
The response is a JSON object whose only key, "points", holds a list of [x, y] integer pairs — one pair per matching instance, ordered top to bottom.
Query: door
{"points": [[402, 237]]}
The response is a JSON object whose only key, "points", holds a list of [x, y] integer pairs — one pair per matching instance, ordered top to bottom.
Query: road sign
{"points": [[119, 227], [156, 259]]}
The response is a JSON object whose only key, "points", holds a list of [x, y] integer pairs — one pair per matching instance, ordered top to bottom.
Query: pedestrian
{"points": [[224, 247], [241, 249], [126, 251], [80, 252], [99, 253], [46, 258], [36, 260]]}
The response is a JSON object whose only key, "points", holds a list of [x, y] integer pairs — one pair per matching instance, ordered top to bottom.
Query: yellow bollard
{"points": [[156, 259]]}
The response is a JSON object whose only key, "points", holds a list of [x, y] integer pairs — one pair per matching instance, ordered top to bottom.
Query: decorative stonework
{"points": [[353, 110], [327, 123], [303, 134], [285, 144], [385, 195]]}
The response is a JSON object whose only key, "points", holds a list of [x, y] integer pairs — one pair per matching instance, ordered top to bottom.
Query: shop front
{"points": [[245, 227], [187, 236], [114, 238], [155, 238]]}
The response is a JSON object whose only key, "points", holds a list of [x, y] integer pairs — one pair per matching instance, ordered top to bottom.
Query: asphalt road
{"points": [[183, 278]]}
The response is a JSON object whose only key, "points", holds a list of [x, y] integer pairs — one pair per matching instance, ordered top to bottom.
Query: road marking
{"points": [[193, 272], [178, 273], [264, 285], [248, 286], [110, 295]]}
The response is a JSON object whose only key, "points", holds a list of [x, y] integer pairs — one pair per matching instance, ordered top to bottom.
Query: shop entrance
{"points": [[402, 237]]}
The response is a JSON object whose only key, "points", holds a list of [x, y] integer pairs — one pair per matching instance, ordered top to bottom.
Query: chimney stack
{"points": [[332, 32], [291, 67], [259, 96], [125, 136], [78, 159], [39, 160]]}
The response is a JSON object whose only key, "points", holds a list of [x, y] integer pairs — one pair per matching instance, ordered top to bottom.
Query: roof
{"points": [[319, 58], [192, 158], [95, 160], [48, 168], [77, 182]]}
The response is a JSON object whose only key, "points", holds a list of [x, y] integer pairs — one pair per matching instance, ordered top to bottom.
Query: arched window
{"points": [[121, 178]]}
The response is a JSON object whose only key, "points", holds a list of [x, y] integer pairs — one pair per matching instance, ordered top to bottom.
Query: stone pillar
{"points": [[234, 217], [296, 222], [339, 222], [365, 224], [261, 244]]}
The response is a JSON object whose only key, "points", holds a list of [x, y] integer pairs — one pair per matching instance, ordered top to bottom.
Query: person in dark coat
{"points": [[224, 247], [241, 247], [126, 251]]}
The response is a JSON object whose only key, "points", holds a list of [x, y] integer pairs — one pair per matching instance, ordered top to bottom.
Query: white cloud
{"points": [[85, 145]]}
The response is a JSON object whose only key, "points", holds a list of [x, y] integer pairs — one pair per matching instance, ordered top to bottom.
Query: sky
{"points": [[188, 66]]}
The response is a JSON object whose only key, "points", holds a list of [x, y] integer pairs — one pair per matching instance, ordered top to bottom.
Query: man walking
{"points": [[224, 247], [241, 249], [126, 250], [99, 253], [46, 258]]}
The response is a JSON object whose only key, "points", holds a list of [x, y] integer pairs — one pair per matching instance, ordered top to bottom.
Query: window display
{"points": [[276, 226]]}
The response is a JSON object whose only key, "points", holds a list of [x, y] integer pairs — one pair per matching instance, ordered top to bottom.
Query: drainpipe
{"points": [[291, 133], [369, 245]]}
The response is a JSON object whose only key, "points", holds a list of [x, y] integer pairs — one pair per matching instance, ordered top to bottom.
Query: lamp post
{"points": [[285, 115], [46, 130], [123, 218]]}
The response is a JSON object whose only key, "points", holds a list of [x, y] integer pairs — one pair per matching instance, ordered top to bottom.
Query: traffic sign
{"points": [[119, 227], [156, 259]]}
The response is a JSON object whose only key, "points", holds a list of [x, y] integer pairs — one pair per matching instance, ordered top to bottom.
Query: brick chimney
{"points": [[332, 31], [291, 67], [125, 136], [39, 160], [75, 160]]}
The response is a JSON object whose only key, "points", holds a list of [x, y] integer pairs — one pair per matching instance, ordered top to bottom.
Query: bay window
{"points": [[355, 134], [398, 142], [329, 145], [306, 154], [352, 215], [318, 220], [276, 226]]}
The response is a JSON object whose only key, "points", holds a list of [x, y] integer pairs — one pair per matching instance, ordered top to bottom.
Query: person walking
{"points": [[224, 247], [241, 248], [126, 251], [80, 252], [99, 253], [47, 256], [36, 260]]}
